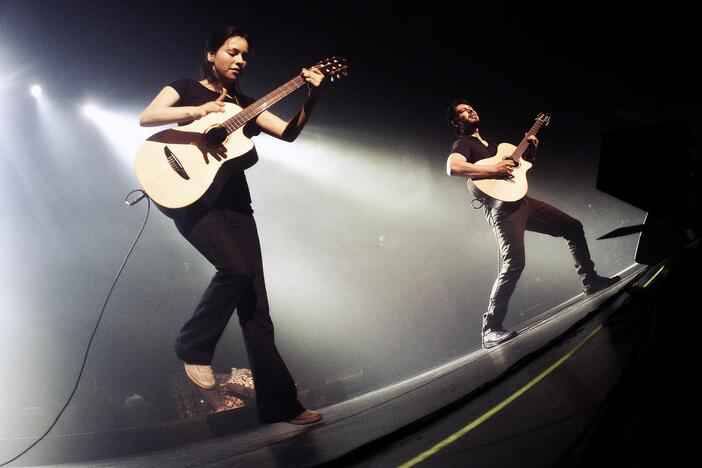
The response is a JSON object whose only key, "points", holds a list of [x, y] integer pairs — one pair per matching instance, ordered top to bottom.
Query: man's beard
{"points": [[470, 128]]}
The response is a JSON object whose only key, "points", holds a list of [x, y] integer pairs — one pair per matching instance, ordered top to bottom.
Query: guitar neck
{"points": [[253, 110], [524, 144]]}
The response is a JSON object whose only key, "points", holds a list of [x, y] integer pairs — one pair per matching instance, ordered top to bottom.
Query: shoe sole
{"points": [[590, 293], [496, 343], [192, 379], [302, 422]]}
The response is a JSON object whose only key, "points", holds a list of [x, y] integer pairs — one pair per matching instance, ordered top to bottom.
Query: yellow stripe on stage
{"points": [[454, 437]]}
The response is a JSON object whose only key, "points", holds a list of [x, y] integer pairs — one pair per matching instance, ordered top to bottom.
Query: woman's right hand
{"points": [[209, 107]]}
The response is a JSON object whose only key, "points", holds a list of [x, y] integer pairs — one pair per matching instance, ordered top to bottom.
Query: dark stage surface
{"points": [[378, 269], [586, 385], [467, 386]]}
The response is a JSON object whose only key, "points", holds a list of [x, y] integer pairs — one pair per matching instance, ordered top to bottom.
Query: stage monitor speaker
{"points": [[643, 165]]}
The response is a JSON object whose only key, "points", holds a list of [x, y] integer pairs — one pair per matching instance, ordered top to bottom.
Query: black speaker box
{"points": [[643, 165]]}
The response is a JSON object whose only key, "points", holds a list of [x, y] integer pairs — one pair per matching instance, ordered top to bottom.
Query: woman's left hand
{"points": [[314, 79]]}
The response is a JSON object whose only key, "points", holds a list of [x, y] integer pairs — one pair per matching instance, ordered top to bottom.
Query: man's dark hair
{"points": [[451, 115]]}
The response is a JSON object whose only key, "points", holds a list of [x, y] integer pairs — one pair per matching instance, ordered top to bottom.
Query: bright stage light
{"points": [[11, 71], [35, 90], [90, 111], [120, 128], [341, 165]]}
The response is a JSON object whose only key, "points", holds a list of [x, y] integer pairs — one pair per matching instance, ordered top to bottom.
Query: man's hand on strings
{"points": [[532, 140], [504, 168]]}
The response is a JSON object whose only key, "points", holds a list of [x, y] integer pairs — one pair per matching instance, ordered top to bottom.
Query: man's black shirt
{"points": [[473, 149]]}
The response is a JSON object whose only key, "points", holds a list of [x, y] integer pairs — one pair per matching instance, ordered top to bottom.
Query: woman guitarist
{"points": [[226, 232]]}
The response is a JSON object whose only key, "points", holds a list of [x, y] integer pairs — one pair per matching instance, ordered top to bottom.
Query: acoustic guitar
{"points": [[184, 167], [493, 192]]}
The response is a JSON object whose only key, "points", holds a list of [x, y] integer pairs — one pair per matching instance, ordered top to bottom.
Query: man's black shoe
{"points": [[598, 283], [493, 337]]}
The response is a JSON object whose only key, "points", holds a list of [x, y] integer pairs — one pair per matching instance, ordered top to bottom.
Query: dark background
{"points": [[377, 267]]}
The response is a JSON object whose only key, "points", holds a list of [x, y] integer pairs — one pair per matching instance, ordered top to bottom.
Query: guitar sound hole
{"points": [[216, 136], [510, 158]]}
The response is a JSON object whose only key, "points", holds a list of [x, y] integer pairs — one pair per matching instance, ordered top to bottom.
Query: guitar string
{"points": [[268, 100], [247, 114], [243, 117], [524, 143]]}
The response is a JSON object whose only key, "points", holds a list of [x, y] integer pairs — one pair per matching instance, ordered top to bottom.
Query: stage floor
{"points": [[530, 399]]}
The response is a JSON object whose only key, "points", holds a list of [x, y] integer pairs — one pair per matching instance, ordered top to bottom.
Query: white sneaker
{"points": [[202, 376]]}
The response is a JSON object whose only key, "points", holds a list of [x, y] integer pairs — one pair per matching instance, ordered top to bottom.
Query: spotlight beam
{"points": [[36, 91]]}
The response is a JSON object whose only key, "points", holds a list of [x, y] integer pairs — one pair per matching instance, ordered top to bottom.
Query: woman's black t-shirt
{"points": [[235, 193]]}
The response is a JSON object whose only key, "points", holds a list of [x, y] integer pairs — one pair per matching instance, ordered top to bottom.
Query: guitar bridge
{"points": [[175, 164]]}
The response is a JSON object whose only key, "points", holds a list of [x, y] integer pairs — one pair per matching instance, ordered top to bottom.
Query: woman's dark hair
{"points": [[216, 40], [451, 115]]}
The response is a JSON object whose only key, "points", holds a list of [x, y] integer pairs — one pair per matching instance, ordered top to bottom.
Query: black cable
{"points": [[92, 336]]}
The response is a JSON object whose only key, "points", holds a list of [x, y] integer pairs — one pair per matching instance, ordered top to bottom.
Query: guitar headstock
{"points": [[333, 67], [543, 118]]}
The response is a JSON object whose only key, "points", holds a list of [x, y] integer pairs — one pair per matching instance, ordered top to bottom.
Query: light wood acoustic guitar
{"points": [[186, 167], [493, 192]]}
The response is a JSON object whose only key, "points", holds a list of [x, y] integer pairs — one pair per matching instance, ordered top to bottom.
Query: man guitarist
{"points": [[509, 220]]}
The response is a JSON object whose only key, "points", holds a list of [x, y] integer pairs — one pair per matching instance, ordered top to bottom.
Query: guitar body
{"points": [[179, 168], [496, 191]]}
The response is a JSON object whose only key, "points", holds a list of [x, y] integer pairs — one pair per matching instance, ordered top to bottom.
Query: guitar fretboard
{"points": [[255, 108], [524, 144]]}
